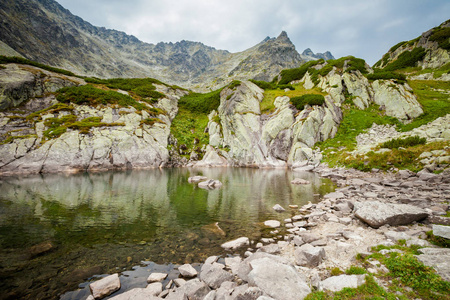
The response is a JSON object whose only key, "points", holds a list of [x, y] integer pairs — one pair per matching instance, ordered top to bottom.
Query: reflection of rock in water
{"points": [[213, 229]]}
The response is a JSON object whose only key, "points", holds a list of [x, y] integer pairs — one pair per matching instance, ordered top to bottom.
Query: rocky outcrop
{"points": [[18, 83], [283, 138], [121, 140]]}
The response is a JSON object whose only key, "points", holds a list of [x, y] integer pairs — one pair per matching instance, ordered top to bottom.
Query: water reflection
{"points": [[98, 222]]}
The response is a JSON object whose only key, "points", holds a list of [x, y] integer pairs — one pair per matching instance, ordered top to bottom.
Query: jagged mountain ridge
{"points": [[44, 31], [307, 54]]}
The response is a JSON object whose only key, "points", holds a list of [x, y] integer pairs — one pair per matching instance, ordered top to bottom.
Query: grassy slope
{"points": [[433, 96]]}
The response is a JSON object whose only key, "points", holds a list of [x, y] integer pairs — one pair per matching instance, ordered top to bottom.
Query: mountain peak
{"points": [[283, 35]]}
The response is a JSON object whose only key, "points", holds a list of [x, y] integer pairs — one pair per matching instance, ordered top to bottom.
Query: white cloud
{"points": [[362, 28]]}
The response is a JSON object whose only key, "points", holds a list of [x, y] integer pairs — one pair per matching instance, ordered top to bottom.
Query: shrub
{"points": [[441, 35], [395, 47], [406, 59], [289, 75], [386, 75], [263, 84], [142, 87], [87, 94], [310, 99], [202, 103], [405, 142], [354, 270]]}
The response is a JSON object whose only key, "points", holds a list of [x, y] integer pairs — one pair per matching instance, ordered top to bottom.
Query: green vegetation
{"points": [[441, 35], [395, 47], [406, 59], [24, 61], [289, 75], [386, 75], [272, 86], [141, 87], [90, 95], [310, 99], [434, 100], [201, 103], [267, 105], [49, 110], [151, 121], [58, 126], [14, 137], [404, 142], [401, 159], [437, 240], [355, 270], [369, 290]]}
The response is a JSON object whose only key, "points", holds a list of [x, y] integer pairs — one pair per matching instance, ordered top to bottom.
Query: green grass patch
{"points": [[24, 61], [289, 75], [309, 99], [435, 103], [267, 105], [49, 110], [151, 121], [58, 126], [188, 128], [9, 139], [404, 142], [401, 159], [355, 270], [421, 278], [369, 290]]}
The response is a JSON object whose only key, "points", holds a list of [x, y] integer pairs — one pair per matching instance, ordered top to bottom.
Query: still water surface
{"points": [[109, 222]]}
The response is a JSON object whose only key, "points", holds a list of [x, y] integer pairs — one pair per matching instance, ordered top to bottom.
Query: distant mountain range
{"points": [[46, 32]]}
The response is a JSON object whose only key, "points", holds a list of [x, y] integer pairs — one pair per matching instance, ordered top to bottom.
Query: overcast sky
{"points": [[363, 28]]}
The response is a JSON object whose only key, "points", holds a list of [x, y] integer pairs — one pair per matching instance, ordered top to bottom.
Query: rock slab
{"points": [[377, 214], [442, 231], [237, 243], [277, 280], [337, 283], [105, 286]]}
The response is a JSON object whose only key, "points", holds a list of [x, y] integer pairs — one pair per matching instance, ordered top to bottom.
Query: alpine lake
{"points": [[58, 232]]}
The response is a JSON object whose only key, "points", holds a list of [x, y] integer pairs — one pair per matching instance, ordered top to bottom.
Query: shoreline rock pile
{"points": [[368, 209]]}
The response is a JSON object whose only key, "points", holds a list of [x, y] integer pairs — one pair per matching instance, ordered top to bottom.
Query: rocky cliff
{"points": [[43, 31], [40, 134]]}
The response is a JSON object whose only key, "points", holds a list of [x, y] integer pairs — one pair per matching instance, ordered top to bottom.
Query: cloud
{"points": [[365, 29]]}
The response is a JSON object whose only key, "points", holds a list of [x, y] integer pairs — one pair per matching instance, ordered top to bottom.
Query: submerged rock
{"points": [[278, 208], [272, 223], [237, 243]]}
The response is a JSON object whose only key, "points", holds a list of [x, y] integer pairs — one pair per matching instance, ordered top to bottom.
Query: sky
{"points": [[362, 28]]}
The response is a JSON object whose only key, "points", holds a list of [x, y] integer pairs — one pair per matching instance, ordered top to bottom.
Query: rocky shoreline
{"points": [[367, 209]]}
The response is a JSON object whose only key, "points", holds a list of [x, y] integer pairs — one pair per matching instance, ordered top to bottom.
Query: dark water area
{"points": [[57, 231]]}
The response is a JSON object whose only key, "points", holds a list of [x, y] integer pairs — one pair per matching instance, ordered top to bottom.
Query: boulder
{"points": [[210, 184], [377, 213], [442, 231], [396, 236], [237, 243], [308, 255], [187, 270], [214, 275], [156, 277], [279, 281], [337, 283], [105, 286], [154, 288], [193, 290]]}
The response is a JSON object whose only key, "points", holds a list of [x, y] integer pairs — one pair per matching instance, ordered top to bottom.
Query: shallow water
{"points": [[108, 222]]}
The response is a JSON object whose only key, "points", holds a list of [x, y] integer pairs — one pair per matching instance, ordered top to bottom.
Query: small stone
{"points": [[197, 179], [300, 181], [293, 206], [278, 208], [272, 223], [187, 270], [156, 277], [179, 282], [337, 283], [105, 286]]}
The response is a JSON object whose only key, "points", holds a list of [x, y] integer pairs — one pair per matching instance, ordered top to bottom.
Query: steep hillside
{"points": [[43, 31], [427, 53]]}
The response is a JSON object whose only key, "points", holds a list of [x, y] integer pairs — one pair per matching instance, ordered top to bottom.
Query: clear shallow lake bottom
{"points": [[102, 223]]}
